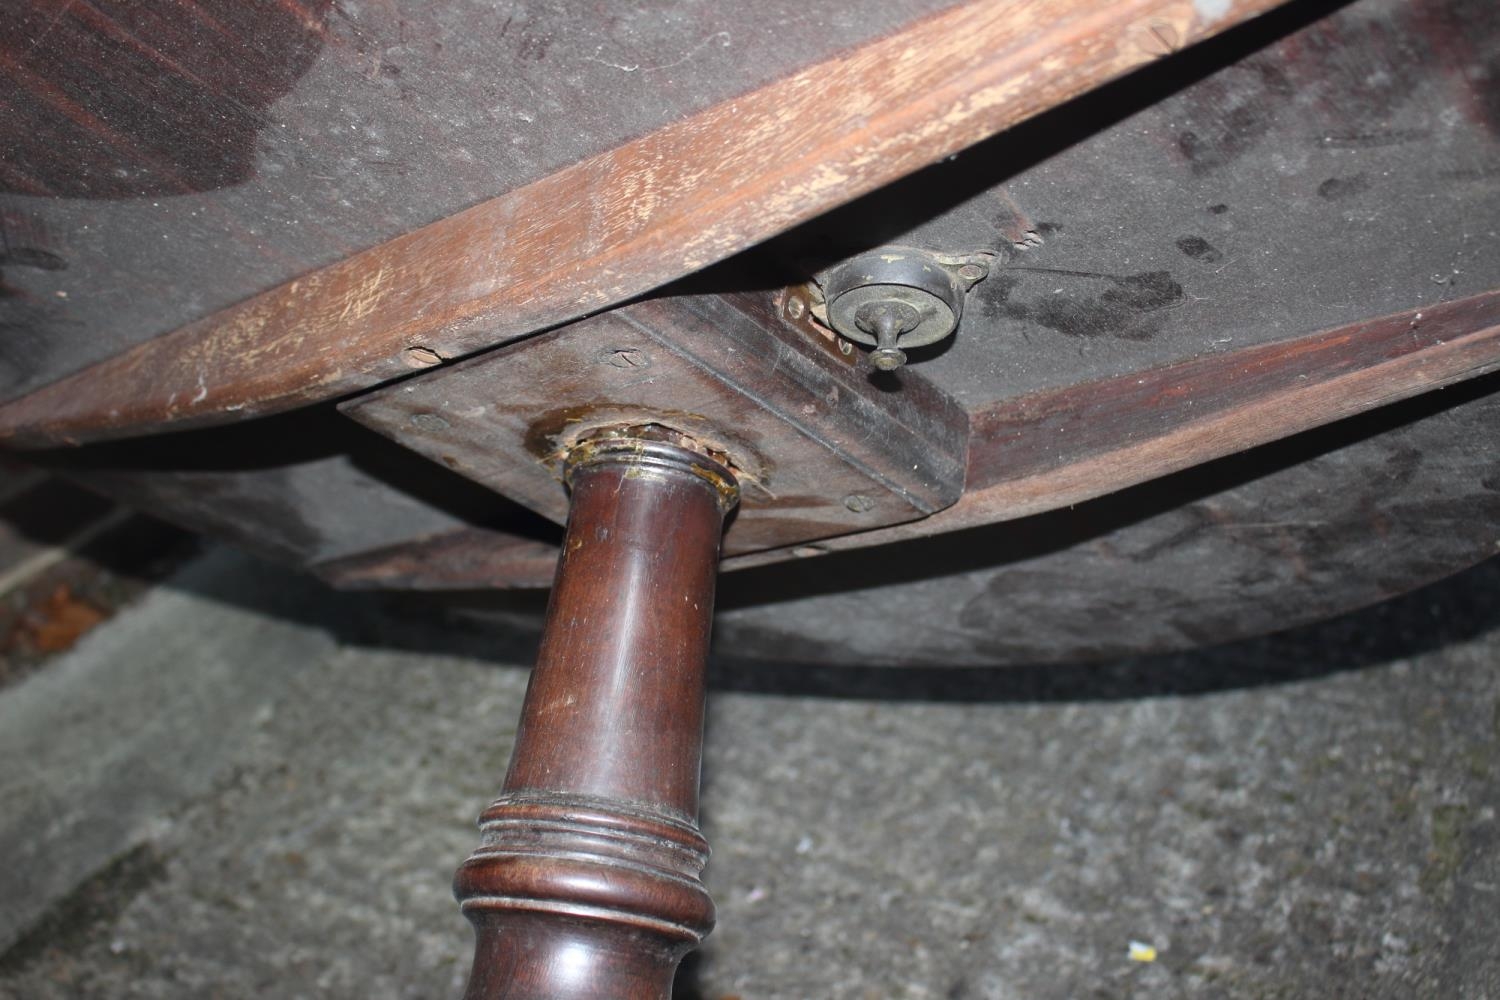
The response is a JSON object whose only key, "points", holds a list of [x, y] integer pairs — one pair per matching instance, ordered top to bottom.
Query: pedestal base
{"points": [[586, 884]]}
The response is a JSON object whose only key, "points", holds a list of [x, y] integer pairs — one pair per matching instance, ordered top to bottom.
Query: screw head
{"points": [[1157, 37], [972, 272], [796, 307], [421, 357], [625, 357], [887, 359], [859, 503]]}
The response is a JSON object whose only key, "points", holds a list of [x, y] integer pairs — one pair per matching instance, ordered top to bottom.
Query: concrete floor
{"points": [[247, 786]]}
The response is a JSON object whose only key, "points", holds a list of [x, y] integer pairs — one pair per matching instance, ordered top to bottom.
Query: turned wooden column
{"points": [[586, 883]]}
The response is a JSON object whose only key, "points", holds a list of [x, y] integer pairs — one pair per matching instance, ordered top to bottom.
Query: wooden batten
{"points": [[621, 223]]}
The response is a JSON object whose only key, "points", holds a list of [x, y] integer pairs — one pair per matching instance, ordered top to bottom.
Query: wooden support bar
{"points": [[625, 221], [1065, 446], [587, 880]]}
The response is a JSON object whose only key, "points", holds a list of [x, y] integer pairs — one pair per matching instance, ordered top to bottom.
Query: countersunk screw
{"points": [[1157, 38], [972, 272], [796, 307], [421, 357], [428, 422], [859, 503]]}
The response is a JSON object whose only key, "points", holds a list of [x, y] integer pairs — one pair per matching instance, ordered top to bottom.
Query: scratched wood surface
{"points": [[161, 161], [1318, 171], [623, 222], [1088, 362], [818, 448], [1039, 453], [1359, 510], [1326, 521], [1319, 524]]}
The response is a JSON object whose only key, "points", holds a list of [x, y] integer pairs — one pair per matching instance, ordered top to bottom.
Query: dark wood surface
{"points": [[1315, 159], [162, 161], [1325, 164], [1256, 215], [616, 225], [1115, 433], [819, 448], [1055, 449], [1046, 451], [1324, 522], [1292, 533], [467, 558], [587, 881]]}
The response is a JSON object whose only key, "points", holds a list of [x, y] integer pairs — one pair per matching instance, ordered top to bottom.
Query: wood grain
{"points": [[626, 221], [818, 448], [1052, 449], [1048, 450], [465, 559], [587, 880]]}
